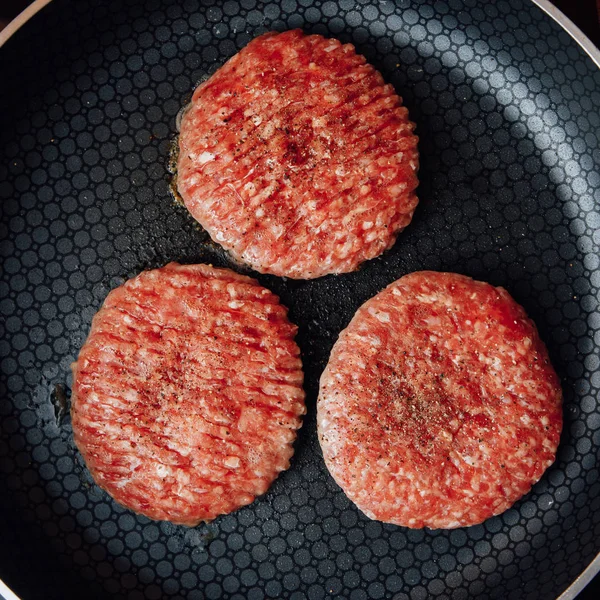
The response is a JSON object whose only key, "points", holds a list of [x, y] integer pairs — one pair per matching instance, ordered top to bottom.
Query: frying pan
{"points": [[508, 113]]}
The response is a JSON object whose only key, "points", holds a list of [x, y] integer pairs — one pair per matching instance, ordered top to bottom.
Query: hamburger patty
{"points": [[297, 158], [188, 393], [439, 407]]}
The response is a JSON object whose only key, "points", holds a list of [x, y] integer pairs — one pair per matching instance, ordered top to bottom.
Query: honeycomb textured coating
{"points": [[507, 110]]}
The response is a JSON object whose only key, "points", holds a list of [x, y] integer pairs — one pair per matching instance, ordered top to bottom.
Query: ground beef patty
{"points": [[297, 158], [188, 393], [439, 407]]}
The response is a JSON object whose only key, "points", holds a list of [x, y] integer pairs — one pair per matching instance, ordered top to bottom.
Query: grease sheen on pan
{"points": [[297, 158], [188, 393], [439, 406]]}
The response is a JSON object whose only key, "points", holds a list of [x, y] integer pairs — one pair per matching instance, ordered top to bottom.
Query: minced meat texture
{"points": [[297, 158], [188, 393], [439, 407]]}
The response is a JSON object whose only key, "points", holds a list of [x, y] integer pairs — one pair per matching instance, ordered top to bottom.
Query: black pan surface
{"points": [[508, 112]]}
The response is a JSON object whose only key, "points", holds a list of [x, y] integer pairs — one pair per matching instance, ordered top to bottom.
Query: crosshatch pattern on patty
{"points": [[506, 107]]}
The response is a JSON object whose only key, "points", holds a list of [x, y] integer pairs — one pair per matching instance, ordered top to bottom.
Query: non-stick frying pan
{"points": [[508, 112]]}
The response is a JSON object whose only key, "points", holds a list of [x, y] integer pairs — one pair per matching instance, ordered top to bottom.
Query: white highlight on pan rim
{"points": [[6, 593]]}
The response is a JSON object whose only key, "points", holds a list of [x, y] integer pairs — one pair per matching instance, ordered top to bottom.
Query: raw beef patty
{"points": [[297, 158], [188, 393], [439, 407]]}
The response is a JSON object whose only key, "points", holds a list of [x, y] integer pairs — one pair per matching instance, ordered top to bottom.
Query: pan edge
{"points": [[589, 48]]}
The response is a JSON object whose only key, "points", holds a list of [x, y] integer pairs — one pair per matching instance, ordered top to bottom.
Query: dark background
{"points": [[584, 13]]}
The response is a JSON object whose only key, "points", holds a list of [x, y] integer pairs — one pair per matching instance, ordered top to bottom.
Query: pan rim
{"points": [[552, 11], [20, 20], [583, 40], [593, 52], [582, 580]]}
